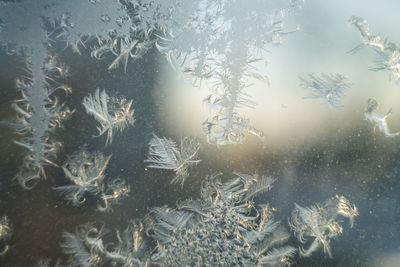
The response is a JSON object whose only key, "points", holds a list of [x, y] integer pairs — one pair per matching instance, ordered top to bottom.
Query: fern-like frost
{"points": [[330, 88], [113, 114], [164, 154], [317, 225]]}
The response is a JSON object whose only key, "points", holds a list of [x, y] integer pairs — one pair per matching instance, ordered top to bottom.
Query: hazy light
{"points": [[320, 46]]}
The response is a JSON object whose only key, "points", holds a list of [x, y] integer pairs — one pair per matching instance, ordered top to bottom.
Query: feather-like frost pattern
{"points": [[388, 53], [329, 87], [98, 105], [39, 114], [162, 153], [165, 154], [86, 171], [254, 185], [260, 185], [315, 226], [256, 236], [72, 245], [89, 246], [276, 254]]}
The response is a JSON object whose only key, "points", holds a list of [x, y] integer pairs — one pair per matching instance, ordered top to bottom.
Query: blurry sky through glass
{"points": [[320, 45]]}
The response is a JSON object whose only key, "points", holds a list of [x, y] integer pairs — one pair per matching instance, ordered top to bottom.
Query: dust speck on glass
{"points": [[199, 133]]}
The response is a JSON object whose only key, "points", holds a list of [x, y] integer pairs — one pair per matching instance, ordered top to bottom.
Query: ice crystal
{"points": [[75, 22], [368, 38], [123, 48], [388, 53], [389, 62], [329, 87], [39, 111], [39, 114], [113, 114], [379, 119], [164, 154], [87, 173], [254, 185], [115, 190], [319, 224], [222, 227], [6, 231], [88, 246]]}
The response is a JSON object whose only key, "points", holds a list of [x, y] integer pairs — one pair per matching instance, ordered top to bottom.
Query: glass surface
{"points": [[199, 133]]}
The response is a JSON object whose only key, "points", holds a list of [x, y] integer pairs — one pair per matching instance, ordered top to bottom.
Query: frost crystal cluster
{"points": [[388, 52], [329, 87], [100, 105], [39, 111], [39, 115], [164, 154], [86, 171], [223, 226], [316, 226], [91, 247]]}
